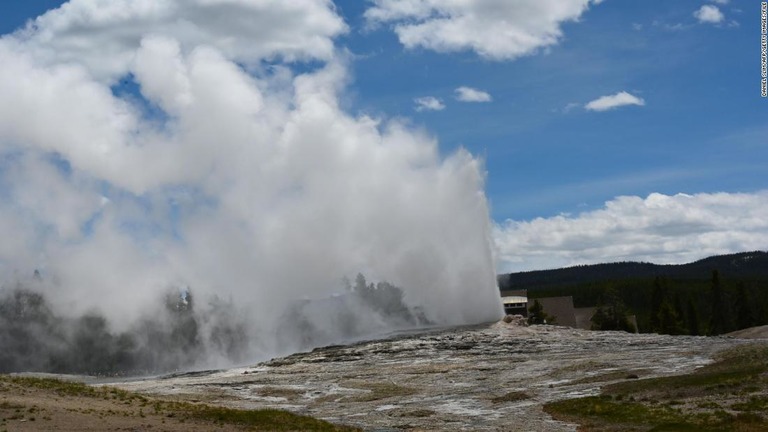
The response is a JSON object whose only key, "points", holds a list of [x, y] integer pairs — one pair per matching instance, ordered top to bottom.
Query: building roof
{"points": [[513, 293], [514, 299]]}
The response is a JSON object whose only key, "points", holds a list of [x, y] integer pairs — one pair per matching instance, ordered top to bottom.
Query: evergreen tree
{"points": [[657, 297], [760, 307], [680, 312], [536, 314], [611, 314], [720, 317], [745, 317], [692, 319], [669, 320], [185, 330]]}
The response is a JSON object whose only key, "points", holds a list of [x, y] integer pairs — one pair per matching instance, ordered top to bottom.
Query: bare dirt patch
{"points": [[39, 404]]}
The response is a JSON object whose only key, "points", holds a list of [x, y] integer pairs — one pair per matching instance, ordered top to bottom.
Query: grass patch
{"points": [[735, 369], [71, 388], [702, 401], [755, 403], [604, 409], [263, 420]]}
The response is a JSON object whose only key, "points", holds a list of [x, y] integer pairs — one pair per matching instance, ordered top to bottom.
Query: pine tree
{"points": [[657, 297], [678, 304], [536, 314], [611, 314], [745, 317], [692, 318], [720, 318], [669, 320]]}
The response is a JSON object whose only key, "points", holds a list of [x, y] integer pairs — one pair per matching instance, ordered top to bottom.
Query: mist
{"points": [[148, 153]]}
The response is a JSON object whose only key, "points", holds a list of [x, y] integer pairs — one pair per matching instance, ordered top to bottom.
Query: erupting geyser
{"points": [[189, 198]]}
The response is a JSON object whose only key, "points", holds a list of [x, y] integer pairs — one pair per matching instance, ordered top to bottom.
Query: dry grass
{"points": [[32, 404]]}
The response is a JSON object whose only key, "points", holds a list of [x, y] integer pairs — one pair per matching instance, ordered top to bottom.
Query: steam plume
{"points": [[225, 172]]}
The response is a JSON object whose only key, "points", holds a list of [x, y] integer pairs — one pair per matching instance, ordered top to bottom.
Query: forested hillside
{"points": [[712, 296]]}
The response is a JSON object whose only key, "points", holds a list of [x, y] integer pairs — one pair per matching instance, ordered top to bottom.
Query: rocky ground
{"points": [[493, 377]]}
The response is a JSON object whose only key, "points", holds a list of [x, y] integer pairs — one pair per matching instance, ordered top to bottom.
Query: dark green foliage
{"points": [[745, 265], [384, 298], [657, 298], [696, 304], [364, 308], [679, 313], [611, 314], [667, 314], [537, 315], [745, 316], [720, 317], [692, 318], [669, 321], [184, 335], [34, 339], [95, 349], [263, 419]]}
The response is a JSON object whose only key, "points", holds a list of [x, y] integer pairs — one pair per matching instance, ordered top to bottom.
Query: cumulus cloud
{"points": [[709, 14], [494, 29], [103, 36], [469, 94], [429, 103], [605, 103], [252, 184], [659, 228]]}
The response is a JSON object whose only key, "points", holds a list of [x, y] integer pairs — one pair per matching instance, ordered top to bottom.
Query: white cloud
{"points": [[722, 2], [709, 14], [494, 29], [243, 30], [468, 94], [429, 103], [605, 103], [570, 106], [255, 185], [659, 229]]}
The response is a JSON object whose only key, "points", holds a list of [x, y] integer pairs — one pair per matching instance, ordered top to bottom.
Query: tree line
{"points": [[710, 305]]}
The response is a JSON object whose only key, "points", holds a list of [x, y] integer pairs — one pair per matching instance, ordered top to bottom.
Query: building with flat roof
{"points": [[515, 302]]}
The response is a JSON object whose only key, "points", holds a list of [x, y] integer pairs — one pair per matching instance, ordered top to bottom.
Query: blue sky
{"points": [[702, 127]]}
